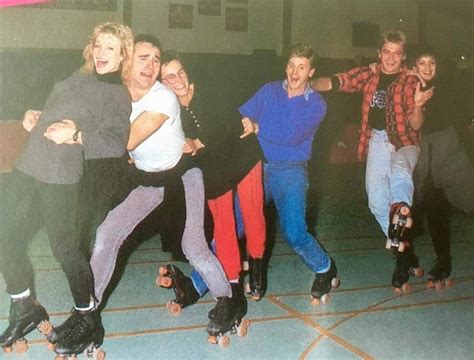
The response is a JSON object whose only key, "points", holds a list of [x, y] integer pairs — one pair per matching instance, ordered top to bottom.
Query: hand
{"points": [[373, 67], [414, 73], [421, 97], [30, 119], [250, 127], [61, 132], [192, 146]]}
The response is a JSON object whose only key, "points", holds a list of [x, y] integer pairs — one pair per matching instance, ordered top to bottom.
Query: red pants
{"points": [[250, 192]]}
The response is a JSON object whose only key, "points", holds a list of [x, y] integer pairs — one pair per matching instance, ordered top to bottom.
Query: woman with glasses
{"points": [[229, 165]]}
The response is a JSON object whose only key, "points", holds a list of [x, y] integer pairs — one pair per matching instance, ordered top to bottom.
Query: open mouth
{"points": [[101, 63]]}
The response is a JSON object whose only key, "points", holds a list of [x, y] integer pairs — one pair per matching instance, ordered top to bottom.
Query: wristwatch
{"points": [[75, 136]]}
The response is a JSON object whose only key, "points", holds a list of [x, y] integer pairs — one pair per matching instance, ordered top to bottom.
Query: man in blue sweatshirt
{"points": [[285, 116]]}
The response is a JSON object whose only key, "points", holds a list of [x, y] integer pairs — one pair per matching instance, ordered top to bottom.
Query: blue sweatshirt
{"points": [[286, 125]]}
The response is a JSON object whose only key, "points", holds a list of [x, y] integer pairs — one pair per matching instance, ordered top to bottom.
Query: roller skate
{"points": [[400, 221], [406, 265], [438, 276], [257, 278], [323, 283], [186, 294], [26, 314], [227, 316], [84, 333]]}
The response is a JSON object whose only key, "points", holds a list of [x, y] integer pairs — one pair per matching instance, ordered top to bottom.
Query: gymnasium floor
{"points": [[363, 320]]}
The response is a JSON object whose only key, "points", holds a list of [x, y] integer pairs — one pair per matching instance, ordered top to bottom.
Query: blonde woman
{"points": [[94, 106]]}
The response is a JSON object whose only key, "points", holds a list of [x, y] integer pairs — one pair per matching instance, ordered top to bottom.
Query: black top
{"points": [[440, 110], [377, 113], [225, 159]]}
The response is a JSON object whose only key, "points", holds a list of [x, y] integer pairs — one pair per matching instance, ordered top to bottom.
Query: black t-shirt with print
{"points": [[379, 102]]}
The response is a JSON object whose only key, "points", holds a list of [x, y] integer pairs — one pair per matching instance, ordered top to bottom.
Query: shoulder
{"points": [[162, 93], [317, 101]]}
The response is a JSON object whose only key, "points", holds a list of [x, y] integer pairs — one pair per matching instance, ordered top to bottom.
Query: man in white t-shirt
{"points": [[156, 146]]}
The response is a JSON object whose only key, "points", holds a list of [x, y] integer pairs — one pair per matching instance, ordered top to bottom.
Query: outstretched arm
{"points": [[321, 84]]}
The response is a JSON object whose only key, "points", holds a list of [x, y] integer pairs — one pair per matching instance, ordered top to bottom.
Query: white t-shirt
{"points": [[163, 149]]}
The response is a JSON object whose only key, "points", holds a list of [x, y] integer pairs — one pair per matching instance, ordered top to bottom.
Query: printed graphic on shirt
{"points": [[379, 99]]}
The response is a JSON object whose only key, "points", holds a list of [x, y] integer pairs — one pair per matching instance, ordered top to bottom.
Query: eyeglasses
{"points": [[172, 78]]}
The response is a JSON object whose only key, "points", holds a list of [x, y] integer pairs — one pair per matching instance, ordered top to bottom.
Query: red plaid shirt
{"points": [[400, 104]]}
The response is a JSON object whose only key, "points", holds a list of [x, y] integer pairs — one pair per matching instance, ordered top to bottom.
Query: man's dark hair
{"points": [[148, 38], [303, 50]]}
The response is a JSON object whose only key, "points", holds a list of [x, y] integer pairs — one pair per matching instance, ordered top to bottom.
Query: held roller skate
{"points": [[400, 221], [406, 265], [438, 276], [257, 278], [323, 283], [186, 294], [26, 314], [227, 316], [84, 334]]}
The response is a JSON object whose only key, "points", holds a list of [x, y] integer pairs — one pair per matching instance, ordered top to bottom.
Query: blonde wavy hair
{"points": [[125, 36]]}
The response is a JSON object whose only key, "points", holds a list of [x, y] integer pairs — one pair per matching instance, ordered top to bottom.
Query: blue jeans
{"points": [[388, 176], [286, 183]]}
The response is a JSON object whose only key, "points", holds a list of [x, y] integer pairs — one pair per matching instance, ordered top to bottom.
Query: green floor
{"points": [[363, 320]]}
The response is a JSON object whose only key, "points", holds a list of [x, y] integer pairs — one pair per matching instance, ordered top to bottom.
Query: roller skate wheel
{"points": [[405, 211], [388, 244], [245, 266], [163, 270], [418, 272], [164, 281], [335, 282], [449, 283], [439, 285], [406, 287], [397, 290], [256, 297], [326, 298], [315, 300], [174, 308], [45, 327], [242, 329], [212, 339], [224, 341], [21, 346], [51, 346], [7, 349], [99, 354]]}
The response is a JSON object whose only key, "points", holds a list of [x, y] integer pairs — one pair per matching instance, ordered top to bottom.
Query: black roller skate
{"points": [[400, 221], [406, 265], [438, 276], [257, 278], [323, 283], [186, 294], [26, 314], [227, 316], [84, 333]]}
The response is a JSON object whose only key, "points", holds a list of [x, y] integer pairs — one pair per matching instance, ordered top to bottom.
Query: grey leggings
{"points": [[121, 221]]}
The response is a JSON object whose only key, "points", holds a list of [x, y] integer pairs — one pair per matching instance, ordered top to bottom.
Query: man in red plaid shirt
{"points": [[392, 115]]}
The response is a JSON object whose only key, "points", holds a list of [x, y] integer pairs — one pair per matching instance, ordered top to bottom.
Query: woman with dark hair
{"points": [[443, 174], [43, 188]]}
